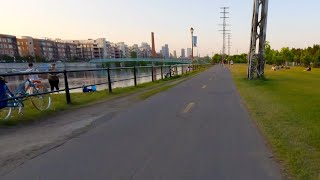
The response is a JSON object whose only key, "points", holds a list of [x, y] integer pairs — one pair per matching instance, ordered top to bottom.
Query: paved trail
{"points": [[197, 130]]}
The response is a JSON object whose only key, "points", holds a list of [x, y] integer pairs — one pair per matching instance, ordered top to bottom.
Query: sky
{"points": [[291, 23]]}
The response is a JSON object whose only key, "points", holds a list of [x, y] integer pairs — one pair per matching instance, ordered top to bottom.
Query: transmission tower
{"points": [[224, 29], [258, 39], [229, 43]]}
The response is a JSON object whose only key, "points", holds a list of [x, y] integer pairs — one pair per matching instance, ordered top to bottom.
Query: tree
{"points": [[133, 54], [268, 54], [286, 54], [6, 58], [216, 58], [39, 59]]}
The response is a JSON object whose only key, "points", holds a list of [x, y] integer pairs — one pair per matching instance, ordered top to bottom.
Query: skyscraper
{"points": [[165, 51], [183, 53], [189, 53], [174, 54]]}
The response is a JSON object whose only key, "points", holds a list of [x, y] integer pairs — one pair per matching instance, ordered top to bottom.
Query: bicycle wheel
{"points": [[43, 101], [5, 112]]}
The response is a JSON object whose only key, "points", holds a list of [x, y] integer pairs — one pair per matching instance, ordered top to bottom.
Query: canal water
{"points": [[119, 77]]}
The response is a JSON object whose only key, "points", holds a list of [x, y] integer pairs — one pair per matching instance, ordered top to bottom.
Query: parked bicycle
{"points": [[33, 90]]}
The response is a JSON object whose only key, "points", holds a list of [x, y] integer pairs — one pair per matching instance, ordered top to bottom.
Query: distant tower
{"points": [[224, 29], [258, 35], [229, 43], [153, 46], [183, 53], [175, 54]]}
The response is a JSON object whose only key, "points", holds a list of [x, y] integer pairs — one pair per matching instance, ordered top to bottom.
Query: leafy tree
{"points": [[133, 54], [216, 58]]}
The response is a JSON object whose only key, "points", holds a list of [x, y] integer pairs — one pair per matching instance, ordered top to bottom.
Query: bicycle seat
{"points": [[36, 81]]}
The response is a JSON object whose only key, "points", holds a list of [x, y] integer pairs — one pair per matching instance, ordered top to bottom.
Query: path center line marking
{"points": [[204, 86], [189, 107]]}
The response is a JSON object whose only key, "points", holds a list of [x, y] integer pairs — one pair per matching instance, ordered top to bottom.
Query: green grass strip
{"points": [[286, 107]]}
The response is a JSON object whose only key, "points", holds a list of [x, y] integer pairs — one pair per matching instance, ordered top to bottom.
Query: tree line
{"points": [[307, 56]]}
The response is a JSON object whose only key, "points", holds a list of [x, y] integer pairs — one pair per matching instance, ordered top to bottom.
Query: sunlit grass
{"points": [[286, 106]]}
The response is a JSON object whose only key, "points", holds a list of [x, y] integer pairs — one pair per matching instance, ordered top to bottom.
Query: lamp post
{"points": [[192, 30]]}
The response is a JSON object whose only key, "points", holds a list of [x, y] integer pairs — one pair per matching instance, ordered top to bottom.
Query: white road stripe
{"points": [[189, 107]]}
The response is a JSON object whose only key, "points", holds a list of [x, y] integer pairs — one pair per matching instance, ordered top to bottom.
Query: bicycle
{"points": [[34, 90]]}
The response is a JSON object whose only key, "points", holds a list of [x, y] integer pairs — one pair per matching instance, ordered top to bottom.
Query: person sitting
{"points": [[308, 68]]}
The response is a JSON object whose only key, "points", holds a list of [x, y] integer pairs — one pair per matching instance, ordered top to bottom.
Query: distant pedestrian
{"points": [[308, 68], [53, 78]]}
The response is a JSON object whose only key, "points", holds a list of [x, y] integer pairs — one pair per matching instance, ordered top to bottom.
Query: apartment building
{"points": [[8, 45], [26, 46], [45, 48], [91, 49], [124, 49], [50, 50], [54, 50], [65, 50], [115, 51]]}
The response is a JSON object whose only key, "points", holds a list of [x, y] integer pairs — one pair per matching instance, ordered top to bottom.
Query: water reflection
{"points": [[119, 77]]}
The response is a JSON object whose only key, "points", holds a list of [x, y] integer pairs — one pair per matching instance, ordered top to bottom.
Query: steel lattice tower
{"points": [[224, 29], [258, 39], [229, 43]]}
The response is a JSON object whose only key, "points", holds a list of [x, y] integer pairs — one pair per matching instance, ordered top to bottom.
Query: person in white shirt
{"points": [[32, 77]]}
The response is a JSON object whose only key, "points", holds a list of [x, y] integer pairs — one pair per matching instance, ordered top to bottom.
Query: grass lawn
{"points": [[82, 99], [286, 107]]}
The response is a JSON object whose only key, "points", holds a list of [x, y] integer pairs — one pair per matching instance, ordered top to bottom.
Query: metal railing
{"points": [[166, 71]]}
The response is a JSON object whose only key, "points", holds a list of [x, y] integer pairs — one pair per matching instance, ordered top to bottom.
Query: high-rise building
{"points": [[8, 45], [165, 51], [183, 53], [189, 53], [174, 54]]}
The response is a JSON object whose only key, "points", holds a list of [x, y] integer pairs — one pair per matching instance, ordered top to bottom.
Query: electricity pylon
{"points": [[258, 39]]}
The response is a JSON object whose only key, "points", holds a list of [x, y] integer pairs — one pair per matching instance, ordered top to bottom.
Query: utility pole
{"points": [[224, 29], [258, 39], [229, 43]]}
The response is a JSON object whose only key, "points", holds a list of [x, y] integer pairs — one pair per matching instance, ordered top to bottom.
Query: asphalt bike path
{"points": [[198, 129]]}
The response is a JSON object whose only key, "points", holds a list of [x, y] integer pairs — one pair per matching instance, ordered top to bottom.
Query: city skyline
{"points": [[122, 21]]}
